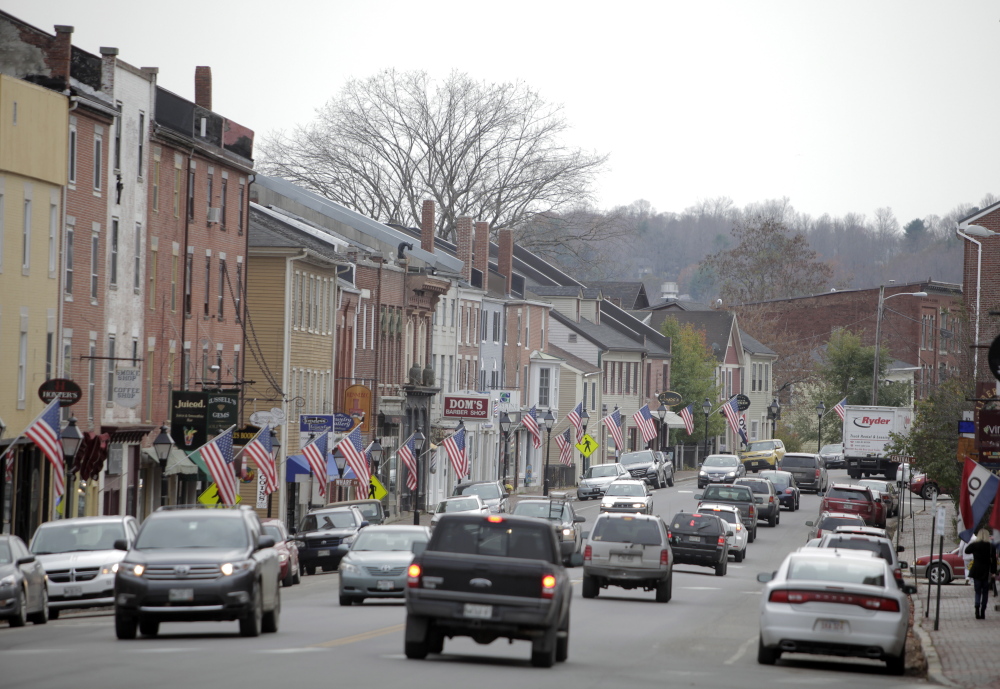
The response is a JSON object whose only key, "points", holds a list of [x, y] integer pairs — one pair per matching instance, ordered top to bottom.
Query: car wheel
{"points": [[670, 481], [929, 491], [796, 507], [772, 520], [751, 535], [739, 555], [329, 568], [720, 569], [310, 570], [939, 573], [289, 579], [297, 579], [590, 587], [665, 590], [346, 601], [53, 613], [42, 616], [20, 617], [270, 620], [250, 623], [125, 625], [149, 627], [562, 642], [416, 649], [543, 649], [765, 655], [896, 665]]}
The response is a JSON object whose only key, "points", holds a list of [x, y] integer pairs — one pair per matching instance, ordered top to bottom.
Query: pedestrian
{"points": [[983, 571]]}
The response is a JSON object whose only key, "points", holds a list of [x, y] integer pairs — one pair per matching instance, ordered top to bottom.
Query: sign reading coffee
{"points": [[127, 388]]}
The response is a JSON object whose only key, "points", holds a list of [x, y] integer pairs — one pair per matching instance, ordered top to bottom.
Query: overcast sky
{"points": [[841, 106]]}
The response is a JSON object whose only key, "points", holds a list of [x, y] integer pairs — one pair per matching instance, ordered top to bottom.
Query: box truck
{"points": [[866, 435]]}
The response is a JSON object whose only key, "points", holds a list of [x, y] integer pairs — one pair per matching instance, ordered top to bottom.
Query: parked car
{"points": [[762, 454], [833, 456], [647, 466], [720, 469], [808, 469], [597, 478], [785, 486], [923, 486], [493, 493], [887, 494], [627, 496], [740, 496], [854, 499], [463, 503], [768, 506], [371, 510], [828, 521], [566, 522], [863, 530], [321, 531], [740, 537], [700, 538], [879, 545], [288, 551], [629, 551], [80, 559], [189, 565], [374, 566], [943, 569], [23, 596], [839, 602]]}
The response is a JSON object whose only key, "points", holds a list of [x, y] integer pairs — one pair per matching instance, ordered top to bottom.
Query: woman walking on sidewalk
{"points": [[984, 569]]}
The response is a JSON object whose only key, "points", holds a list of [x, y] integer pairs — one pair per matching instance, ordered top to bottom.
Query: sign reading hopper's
{"points": [[473, 408]]}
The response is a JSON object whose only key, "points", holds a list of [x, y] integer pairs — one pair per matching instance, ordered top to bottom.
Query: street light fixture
{"points": [[967, 231], [878, 327], [706, 407], [775, 410], [820, 410], [662, 412], [549, 419], [504, 430], [71, 438], [418, 444], [162, 445], [375, 451], [275, 453]]}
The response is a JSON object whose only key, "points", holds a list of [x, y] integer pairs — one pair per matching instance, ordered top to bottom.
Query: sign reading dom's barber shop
{"points": [[469, 407]]}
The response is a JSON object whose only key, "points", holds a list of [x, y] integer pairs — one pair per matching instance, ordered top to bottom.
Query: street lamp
{"points": [[967, 231], [878, 325], [706, 407], [774, 410], [820, 410], [662, 412], [549, 419], [584, 420], [504, 430], [71, 439], [418, 444], [161, 446], [375, 451], [275, 453]]}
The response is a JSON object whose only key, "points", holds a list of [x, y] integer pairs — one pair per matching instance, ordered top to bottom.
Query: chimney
{"points": [[62, 53], [109, 56], [203, 87], [427, 226], [465, 246], [481, 251], [505, 256]]}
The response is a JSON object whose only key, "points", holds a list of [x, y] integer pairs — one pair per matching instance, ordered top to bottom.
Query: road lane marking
{"points": [[684, 491], [701, 588], [363, 636], [309, 649], [742, 649]]}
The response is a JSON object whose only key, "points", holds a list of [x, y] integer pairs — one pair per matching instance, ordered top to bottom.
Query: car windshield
{"points": [[760, 446], [831, 449], [636, 457], [719, 461], [798, 461], [602, 470], [779, 480], [756, 486], [880, 486], [631, 489], [487, 491], [734, 493], [846, 494], [460, 505], [369, 510], [544, 510], [728, 515], [340, 519], [702, 523], [831, 523], [626, 530], [201, 531], [274, 531], [74, 537], [388, 539], [499, 539], [881, 549], [5, 557], [839, 570]]}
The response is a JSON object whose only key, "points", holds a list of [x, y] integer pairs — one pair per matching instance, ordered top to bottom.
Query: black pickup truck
{"points": [[740, 496], [489, 577]]}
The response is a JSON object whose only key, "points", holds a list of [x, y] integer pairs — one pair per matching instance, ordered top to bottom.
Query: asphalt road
{"points": [[705, 637]]}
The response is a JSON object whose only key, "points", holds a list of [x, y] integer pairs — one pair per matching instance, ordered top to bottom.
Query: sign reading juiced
{"points": [[467, 407]]}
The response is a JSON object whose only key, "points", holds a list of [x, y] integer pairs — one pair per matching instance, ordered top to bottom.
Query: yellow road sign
{"points": [[587, 445], [376, 490], [210, 496]]}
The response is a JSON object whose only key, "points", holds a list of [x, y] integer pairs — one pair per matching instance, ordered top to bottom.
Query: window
{"points": [[142, 137], [118, 138], [72, 154], [98, 165], [156, 187], [208, 187], [177, 192], [190, 192], [222, 201], [239, 221], [26, 237], [53, 238], [95, 253], [114, 253], [69, 260], [137, 260], [188, 269], [152, 277], [173, 282], [208, 285], [222, 287], [239, 288], [483, 326], [496, 326], [519, 327], [22, 365], [767, 377], [753, 378], [92, 380], [543, 387], [110, 392], [593, 395]]}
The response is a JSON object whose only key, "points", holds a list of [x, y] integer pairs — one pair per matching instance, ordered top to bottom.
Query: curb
{"points": [[935, 672]]}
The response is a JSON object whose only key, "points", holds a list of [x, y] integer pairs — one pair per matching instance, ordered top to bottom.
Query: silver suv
{"points": [[631, 551]]}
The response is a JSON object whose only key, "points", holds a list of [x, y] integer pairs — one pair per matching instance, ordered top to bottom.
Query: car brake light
{"points": [[817, 473], [494, 519], [670, 535], [722, 540], [588, 553], [664, 557], [898, 573], [413, 576], [548, 586], [795, 597]]}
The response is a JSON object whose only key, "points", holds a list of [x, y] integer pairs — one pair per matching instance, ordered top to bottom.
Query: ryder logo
{"points": [[868, 421]]}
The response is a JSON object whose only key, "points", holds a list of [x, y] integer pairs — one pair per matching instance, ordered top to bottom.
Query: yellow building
{"points": [[34, 131]]}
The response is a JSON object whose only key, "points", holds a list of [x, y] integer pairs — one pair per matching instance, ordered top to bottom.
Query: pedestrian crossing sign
{"points": [[587, 445], [376, 491], [210, 496]]}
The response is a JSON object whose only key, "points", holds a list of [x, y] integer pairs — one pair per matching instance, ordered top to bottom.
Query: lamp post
{"points": [[967, 231], [882, 299], [706, 407], [774, 410], [820, 410], [662, 412], [549, 419], [584, 420], [504, 430], [71, 439], [418, 444], [161, 446], [375, 452], [275, 453], [341, 461]]}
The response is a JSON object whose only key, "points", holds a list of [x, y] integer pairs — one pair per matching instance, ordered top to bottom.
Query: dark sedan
{"points": [[785, 486], [23, 597]]}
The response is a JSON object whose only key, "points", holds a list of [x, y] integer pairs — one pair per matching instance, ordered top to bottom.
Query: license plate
{"points": [[694, 539], [323, 553], [625, 558], [383, 585], [73, 591], [181, 595], [477, 612], [831, 625]]}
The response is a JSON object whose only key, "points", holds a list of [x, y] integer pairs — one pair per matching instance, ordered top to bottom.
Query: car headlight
{"points": [[702, 473], [731, 474], [638, 504], [568, 534], [282, 557], [111, 568], [132, 568], [230, 568], [348, 568], [7, 581]]}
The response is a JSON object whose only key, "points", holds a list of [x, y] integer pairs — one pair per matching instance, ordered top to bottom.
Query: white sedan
{"points": [[738, 541], [834, 602]]}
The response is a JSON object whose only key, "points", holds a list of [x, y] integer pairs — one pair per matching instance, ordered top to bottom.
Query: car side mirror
{"points": [[698, 496], [579, 519], [364, 524], [810, 524], [729, 532], [265, 542], [121, 544], [343, 547], [418, 547], [900, 548], [25, 560], [576, 560], [903, 564], [765, 577]]}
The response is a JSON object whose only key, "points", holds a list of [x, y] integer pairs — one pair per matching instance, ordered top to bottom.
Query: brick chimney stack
{"points": [[63, 53], [109, 56], [203, 87], [427, 226], [464, 231], [481, 251], [505, 256]]}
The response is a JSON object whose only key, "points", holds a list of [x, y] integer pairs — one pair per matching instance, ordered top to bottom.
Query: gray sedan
{"points": [[598, 478], [375, 566]]}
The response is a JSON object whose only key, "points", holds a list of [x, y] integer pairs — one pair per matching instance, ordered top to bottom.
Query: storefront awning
{"points": [[671, 419], [177, 461]]}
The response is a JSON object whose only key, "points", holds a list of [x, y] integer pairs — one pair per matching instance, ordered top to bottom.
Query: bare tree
{"points": [[386, 143]]}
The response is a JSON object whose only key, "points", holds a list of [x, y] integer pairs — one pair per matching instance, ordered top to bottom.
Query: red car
{"points": [[923, 486], [854, 499], [288, 551], [951, 567]]}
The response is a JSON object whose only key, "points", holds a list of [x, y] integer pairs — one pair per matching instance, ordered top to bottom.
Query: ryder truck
{"points": [[866, 434]]}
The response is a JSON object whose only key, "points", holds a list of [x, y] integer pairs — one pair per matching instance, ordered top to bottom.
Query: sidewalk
{"points": [[962, 652]]}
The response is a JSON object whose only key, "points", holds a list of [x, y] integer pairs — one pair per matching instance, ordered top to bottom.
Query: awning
{"points": [[671, 419], [177, 461], [296, 465]]}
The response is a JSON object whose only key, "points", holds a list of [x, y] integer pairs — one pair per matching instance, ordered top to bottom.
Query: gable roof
{"points": [[630, 296], [718, 326], [604, 337], [754, 346], [573, 360]]}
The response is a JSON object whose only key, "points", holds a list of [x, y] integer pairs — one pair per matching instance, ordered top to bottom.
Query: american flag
{"points": [[840, 408], [732, 412], [575, 417], [688, 419], [644, 420], [530, 421], [614, 423], [44, 432], [565, 444], [454, 445], [259, 449], [353, 449], [315, 453], [218, 457], [409, 457]]}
